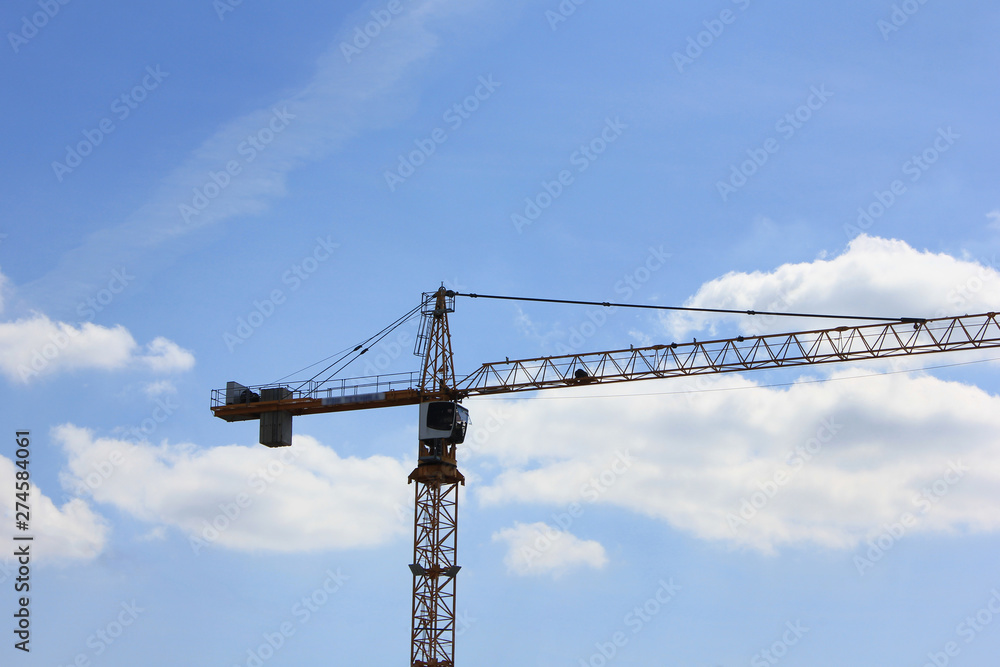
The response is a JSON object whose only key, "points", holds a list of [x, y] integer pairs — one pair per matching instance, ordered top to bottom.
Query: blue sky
{"points": [[209, 191]]}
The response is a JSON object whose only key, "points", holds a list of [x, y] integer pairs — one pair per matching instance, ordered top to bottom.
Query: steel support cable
{"points": [[607, 304], [370, 343], [362, 346], [316, 363]]}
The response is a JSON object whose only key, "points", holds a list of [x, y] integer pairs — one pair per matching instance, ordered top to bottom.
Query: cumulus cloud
{"points": [[873, 276], [36, 346], [166, 356], [823, 463], [295, 499], [71, 532], [539, 549]]}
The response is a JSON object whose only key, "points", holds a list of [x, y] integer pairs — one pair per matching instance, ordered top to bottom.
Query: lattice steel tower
{"points": [[437, 478]]}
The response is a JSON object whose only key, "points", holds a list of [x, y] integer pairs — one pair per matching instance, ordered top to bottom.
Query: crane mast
{"points": [[443, 421], [436, 479]]}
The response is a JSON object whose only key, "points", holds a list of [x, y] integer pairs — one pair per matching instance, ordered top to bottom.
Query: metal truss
{"points": [[875, 341]]}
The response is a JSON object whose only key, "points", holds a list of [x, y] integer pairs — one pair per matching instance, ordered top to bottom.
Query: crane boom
{"points": [[800, 348]]}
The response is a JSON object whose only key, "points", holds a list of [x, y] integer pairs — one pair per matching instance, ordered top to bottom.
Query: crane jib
{"points": [[840, 344]]}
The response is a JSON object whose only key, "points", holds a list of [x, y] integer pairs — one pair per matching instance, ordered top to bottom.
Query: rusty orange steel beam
{"points": [[870, 341], [873, 341]]}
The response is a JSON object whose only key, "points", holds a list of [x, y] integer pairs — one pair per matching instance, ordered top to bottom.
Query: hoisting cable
{"points": [[606, 304], [360, 348]]}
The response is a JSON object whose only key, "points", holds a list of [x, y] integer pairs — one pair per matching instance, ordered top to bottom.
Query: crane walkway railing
{"points": [[329, 391]]}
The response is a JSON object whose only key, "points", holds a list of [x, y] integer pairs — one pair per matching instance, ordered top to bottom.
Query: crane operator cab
{"points": [[442, 421]]}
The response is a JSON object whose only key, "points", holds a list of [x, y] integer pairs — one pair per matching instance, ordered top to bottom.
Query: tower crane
{"points": [[443, 420]]}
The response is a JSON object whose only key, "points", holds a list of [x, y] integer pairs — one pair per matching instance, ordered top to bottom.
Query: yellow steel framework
{"points": [[436, 476], [435, 523]]}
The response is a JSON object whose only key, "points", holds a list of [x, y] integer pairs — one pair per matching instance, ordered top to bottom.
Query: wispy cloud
{"points": [[243, 167]]}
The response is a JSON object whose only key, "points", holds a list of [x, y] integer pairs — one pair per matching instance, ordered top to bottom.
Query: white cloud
{"points": [[994, 217], [874, 276], [4, 286], [36, 346], [166, 356], [158, 388], [691, 460], [721, 461], [295, 499], [70, 532], [157, 534], [539, 549]]}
